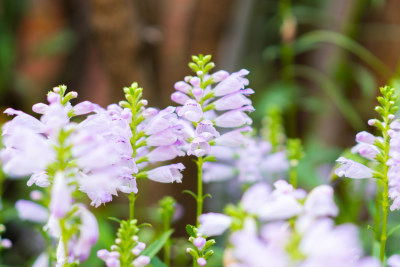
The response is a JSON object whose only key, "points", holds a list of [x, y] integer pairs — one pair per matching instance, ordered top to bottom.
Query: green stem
{"points": [[293, 176], [385, 180], [199, 199], [132, 200], [385, 206], [377, 218], [64, 240], [167, 246]]}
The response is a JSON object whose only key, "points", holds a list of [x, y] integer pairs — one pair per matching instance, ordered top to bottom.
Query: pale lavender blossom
{"points": [[232, 83], [225, 93], [191, 111], [234, 118], [206, 130], [365, 146], [199, 147], [164, 153], [352, 169], [213, 172], [167, 174], [61, 199], [320, 203], [31, 211], [212, 224], [88, 234], [199, 242], [138, 248], [111, 259], [41, 261], [141, 261], [394, 261], [201, 262]]}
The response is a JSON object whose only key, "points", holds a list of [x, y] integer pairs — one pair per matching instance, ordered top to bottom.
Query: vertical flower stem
{"points": [[293, 176], [385, 180], [200, 198], [132, 200], [385, 206], [377, 217], [64, 240], [167, 246]]}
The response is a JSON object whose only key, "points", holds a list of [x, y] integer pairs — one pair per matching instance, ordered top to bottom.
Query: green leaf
{"points": [[321, 36], [330, 88], [190, 193], [207, 195], [114, 219], [145, 224], [394, 229], [190, 230], [157, 245], [376, 246], [156, 262]]}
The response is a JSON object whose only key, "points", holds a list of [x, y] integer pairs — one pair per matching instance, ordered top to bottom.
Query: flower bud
{"points": [[199, 242], [201, 262]]}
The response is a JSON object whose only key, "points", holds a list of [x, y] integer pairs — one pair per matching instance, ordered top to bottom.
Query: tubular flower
{"points": [[210, 101]]}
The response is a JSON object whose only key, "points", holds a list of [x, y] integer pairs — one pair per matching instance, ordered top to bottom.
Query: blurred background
{"points": [[320, 62]]}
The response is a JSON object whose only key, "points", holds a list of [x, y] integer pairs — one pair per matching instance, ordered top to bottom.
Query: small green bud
{"points": [[192, 252], [208, 254]]}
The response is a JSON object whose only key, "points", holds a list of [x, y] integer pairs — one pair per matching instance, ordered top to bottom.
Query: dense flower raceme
{"points": [[214, 101], [366, 147], [252, 160], [296, 230], [127, 248]]}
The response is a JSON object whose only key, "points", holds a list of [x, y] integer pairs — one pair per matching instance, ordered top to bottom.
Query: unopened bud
{"points": [[201, 262]]}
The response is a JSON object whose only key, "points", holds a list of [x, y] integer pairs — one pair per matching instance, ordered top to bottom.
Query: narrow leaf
{"points": [[157, 245], [156, 262]]}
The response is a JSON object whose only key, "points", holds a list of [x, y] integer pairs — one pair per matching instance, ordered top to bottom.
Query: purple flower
{"points": [[219, 76], [232, 83], [183, 87], [180, 98], [234, 100], [82, 108], [191, 111], [234, 118], [161, 121], [206, 130], [234, 138], [199, 147], [164, 153], [20, 156], [352, 169], [213, 172], [167, 174], [61, 199], [320, 203], [28, 210], [213, 224], [89, 233], [199, 242], [110, 258], [141, 261], [394, 261], [201, 262]]}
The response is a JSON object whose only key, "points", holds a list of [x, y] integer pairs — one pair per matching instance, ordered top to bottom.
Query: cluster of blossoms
{"points": [[216, 100], [44, 149], [106, 151], [95, 156], [251, 162], [383, 164], [295, 229], [127, 248]]}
